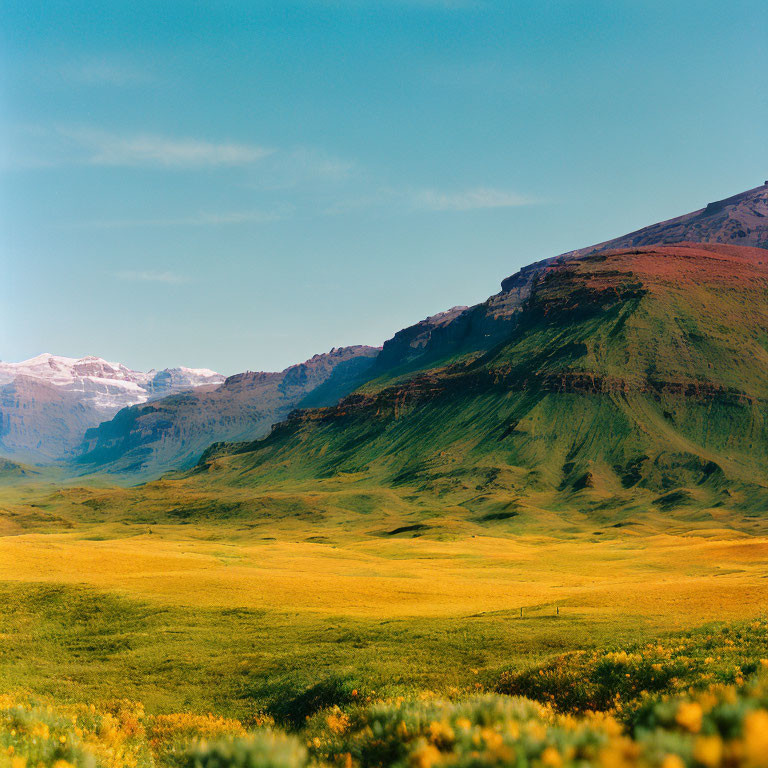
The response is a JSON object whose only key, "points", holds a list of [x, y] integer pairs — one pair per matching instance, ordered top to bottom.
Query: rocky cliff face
{"points": [[41, 422], [172, 432]]}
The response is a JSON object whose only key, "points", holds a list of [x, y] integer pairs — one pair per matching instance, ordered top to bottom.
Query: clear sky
{"points": [[239, 185]]}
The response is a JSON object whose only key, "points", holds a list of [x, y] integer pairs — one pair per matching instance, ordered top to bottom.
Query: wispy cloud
{"points": [[109, 149], [313, 162], [305, 167], [370, 198], [430, 199], [469, 200], [239, 217], [149, 276]]}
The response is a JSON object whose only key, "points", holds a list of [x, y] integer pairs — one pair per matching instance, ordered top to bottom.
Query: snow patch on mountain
{"points": [[107, 386]]}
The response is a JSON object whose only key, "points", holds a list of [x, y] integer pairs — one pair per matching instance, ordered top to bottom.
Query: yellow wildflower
{"points": [[689, 716], [337, 722], [463, 723], [536, 730], [440, 733], [756, 738], [492, 739], [708, 750], [618, 756], [425, 757], [551, 758]]}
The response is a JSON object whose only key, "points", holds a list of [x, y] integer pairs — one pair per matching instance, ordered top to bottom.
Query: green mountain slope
{"points": [[638, 376]]}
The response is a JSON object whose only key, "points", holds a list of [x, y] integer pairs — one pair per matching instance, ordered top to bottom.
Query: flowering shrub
{"points": [[618, 680], [695, 701], [721, 727], [483, 730], [32, 734], [170, 735], [265, 749]]}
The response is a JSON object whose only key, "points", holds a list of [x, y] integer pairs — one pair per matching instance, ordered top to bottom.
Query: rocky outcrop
{"points": [[574, 292]]}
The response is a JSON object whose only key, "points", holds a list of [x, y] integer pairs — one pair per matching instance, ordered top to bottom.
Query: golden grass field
{"points": [[672, 580]]}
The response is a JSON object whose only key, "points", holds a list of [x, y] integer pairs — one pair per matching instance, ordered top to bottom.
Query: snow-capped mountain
{"points": [[104, 385], [47, 402]]}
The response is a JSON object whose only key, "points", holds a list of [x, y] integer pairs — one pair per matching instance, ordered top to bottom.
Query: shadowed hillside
{"points": [[172, 432]]}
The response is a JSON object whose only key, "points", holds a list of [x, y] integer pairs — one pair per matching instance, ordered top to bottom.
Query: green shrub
{"points": [[293, 710], [478, 731], [33, 734], [265, 749]]}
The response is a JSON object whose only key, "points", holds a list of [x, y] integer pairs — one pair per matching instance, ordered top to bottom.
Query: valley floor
{"points": [[193, 616]]}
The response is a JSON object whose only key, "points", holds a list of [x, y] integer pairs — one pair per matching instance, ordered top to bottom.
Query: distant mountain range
{"points": [[47, 402]]}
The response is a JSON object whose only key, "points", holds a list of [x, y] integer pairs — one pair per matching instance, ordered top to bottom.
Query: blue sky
{"points": [[239, 185]]}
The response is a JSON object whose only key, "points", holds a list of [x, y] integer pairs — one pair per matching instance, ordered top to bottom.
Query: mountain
{"points": [[740, 220], [633, 379], [604, 381], [598, 382], [106, 386], [47, 402], [172, 432]]}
